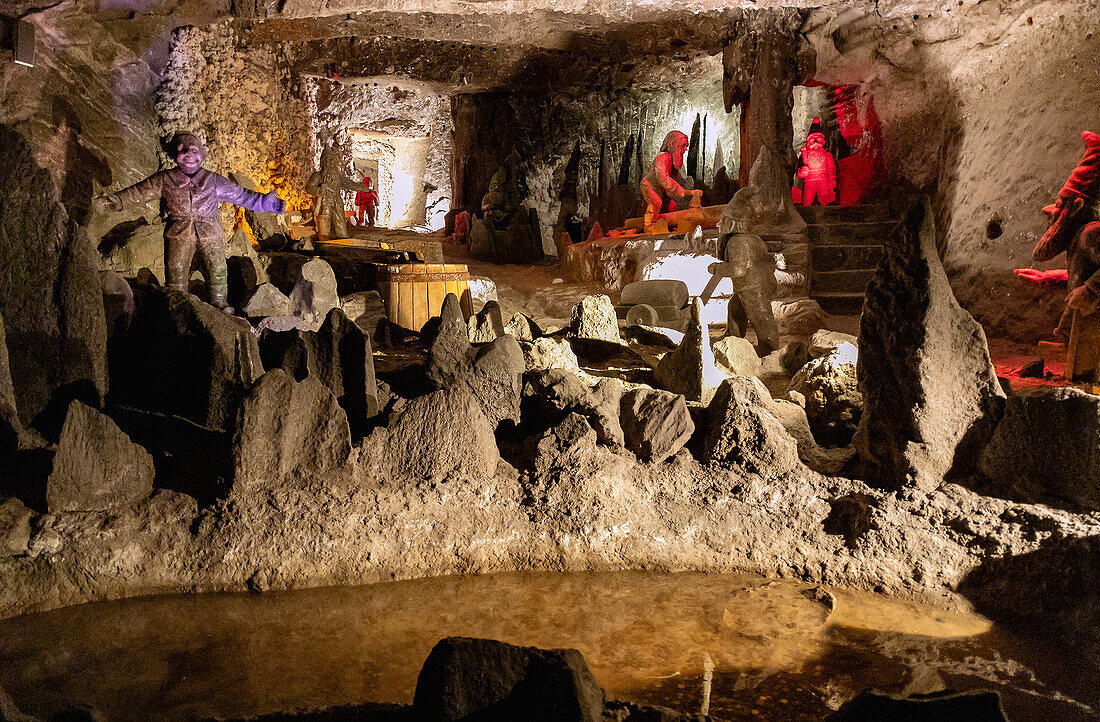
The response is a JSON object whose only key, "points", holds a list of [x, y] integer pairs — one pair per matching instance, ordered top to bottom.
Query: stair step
{"points": [[871, 213], [850, 233], [845, 258], [842, 281], [840, 304]]}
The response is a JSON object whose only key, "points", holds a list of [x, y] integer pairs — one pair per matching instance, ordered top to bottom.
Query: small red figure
{"points": [[818, 171], [365, 202]]}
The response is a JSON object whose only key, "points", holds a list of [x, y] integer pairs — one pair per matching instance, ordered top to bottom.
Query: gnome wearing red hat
{"points": [[818, 170], [1074, 228]]}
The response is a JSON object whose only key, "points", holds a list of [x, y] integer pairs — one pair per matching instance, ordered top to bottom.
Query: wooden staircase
{"points": [[846, 243]]}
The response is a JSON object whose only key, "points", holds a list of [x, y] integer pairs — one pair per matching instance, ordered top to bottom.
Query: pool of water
{"points": [[780, 649]]}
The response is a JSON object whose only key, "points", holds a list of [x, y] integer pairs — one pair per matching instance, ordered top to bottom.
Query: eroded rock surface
{"points": [[594, 317], [487, 324], [184, 357], [689, 369], [559, 392], [931, 397], [833, 402], [656, 424], [289, 430], [742, 431], [1048, 446], [97, 467], [466, 678]]}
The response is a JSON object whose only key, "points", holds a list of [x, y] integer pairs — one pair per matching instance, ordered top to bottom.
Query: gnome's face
{"points": [[189, 153], [1066, 216]]}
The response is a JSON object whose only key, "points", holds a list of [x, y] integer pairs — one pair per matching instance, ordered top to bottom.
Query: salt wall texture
{"points": [[242, 102], [982, 108], [415, 116], [546, 131]]}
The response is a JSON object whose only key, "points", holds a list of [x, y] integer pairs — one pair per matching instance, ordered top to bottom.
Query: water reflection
{"points": [[789, 650]]}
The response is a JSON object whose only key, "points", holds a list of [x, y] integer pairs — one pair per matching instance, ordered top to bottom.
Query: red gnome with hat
{"points": [[818, 169], [365, 202], [1074, 228]]}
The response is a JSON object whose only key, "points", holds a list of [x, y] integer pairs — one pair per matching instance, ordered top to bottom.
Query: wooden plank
{"points": [[420, 310], [1083, 350]]}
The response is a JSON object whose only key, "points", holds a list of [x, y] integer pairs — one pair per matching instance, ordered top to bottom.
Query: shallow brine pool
{"points": [[781, 650]]}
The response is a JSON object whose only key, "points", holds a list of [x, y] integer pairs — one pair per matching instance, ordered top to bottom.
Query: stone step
{"points": [[871, 213], [850, 233], [845, 258], [842, 281], [840, 303]]}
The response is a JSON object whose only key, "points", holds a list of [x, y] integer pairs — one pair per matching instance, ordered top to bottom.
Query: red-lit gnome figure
{"points": [[818, 171], [663, 183], [1074, 228]]}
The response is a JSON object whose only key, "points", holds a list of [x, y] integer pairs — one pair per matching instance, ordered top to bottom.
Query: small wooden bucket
{"points": [[414, 292]]}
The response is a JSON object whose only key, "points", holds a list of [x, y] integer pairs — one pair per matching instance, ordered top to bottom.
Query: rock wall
{"points": [[242, 102], [983, 107], [394, 108], [592, 131]]}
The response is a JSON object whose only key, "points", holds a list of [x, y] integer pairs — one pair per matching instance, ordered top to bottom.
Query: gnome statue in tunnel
{"points": [[817, 171], [664, 184], [327, 186], [189, 196], [1075, 229], [749, 265]]}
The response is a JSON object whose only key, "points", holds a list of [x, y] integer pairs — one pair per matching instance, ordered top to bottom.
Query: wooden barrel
{"points": [[414, 292]]}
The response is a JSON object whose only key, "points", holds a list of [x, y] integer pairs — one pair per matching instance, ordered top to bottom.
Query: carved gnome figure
{"points": [[818, 171], [1075, 229]]}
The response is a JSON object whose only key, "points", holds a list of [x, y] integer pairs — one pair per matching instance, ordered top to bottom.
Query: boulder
{"points": [[283, 268], [657, 292], [314, 293], [266, 301], [366, 309], [594, 317], [799, 317], [487, 324], [522, 328], [824, 341], [449, 349], [550, 353], [339, 355], [736, 356], [183, 357], [690, 369], [493, 373], [496, 379], [559, 393], [931, 398], [833, 402], [656, 424], [288, 430], [742, 430], [442, 432], [1048, 443], [568, 444], [97, 467], [851, 516], [15, 527], [466, 679], [973, 706]]}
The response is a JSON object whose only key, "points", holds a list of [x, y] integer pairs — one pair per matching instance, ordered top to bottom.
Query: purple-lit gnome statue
{"points": [[189, 196]]}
